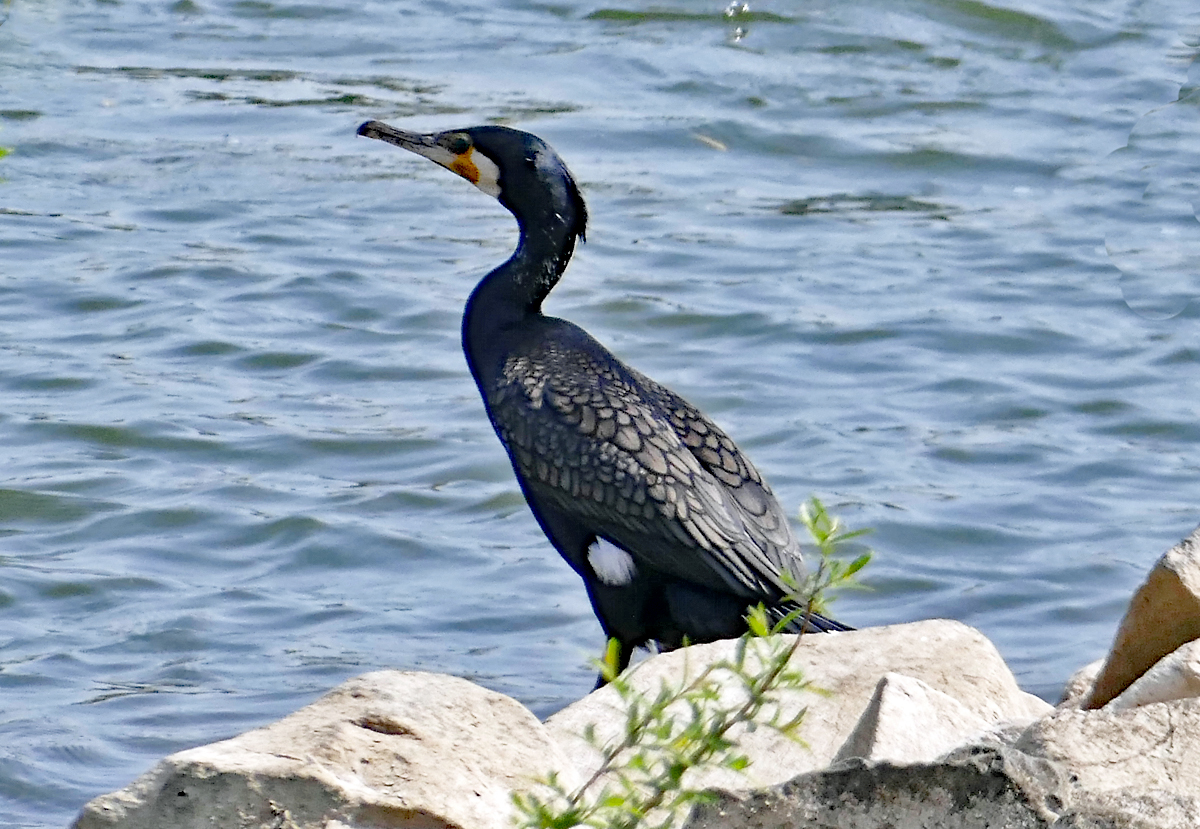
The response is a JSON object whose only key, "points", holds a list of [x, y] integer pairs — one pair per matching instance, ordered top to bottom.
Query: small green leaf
{"points": [[857, 565], [756, 620], [612, 655], [738, 762]]}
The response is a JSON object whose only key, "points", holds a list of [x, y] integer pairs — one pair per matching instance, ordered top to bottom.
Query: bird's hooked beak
{"points": [[454, 150]]}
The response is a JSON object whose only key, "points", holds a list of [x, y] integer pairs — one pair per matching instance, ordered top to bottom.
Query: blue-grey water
{"points": [[933, 261]]}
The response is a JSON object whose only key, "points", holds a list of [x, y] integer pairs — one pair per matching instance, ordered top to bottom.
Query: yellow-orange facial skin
{"points": [[465, 167], [478, 169]]}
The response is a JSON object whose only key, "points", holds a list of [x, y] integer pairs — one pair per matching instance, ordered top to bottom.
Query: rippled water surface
{"points": [[931, 260]]}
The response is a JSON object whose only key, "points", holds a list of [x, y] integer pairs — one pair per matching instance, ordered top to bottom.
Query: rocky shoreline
{"points": [[922, 725]]}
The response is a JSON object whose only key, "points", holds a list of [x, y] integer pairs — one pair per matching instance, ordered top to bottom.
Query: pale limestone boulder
{"points": [[1164, 614], [947, 656], [1175, 676], [907, 721], [389, 748], [1117, 755], [1075, 769], [973, 787], [976, 788]]}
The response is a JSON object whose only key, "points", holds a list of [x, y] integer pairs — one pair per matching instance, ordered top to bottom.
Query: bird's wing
{"points": [[586, 434], [762, 516]]}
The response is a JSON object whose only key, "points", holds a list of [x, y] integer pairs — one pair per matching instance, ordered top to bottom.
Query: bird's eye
{"points": [[458, 144]]}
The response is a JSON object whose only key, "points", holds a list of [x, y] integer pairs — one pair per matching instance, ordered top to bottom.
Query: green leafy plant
{"points": [[832, 541], [643, 777]]}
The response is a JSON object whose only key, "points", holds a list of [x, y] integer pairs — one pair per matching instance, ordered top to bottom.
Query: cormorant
{"points": [[671, 527]]}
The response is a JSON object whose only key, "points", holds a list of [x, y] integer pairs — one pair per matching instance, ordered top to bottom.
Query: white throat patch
{"points": [[489, 174], [612, 565]]}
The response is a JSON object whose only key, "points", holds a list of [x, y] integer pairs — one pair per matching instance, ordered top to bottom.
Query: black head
{"points": [[518, 168]]}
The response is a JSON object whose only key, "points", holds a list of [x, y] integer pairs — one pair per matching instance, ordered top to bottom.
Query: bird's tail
{"points": [[808, 621]]}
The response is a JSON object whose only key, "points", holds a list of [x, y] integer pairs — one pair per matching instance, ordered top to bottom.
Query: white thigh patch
{"points": [[612, 565]]}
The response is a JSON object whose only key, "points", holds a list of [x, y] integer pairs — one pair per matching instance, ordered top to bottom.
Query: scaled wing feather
{"points": [[643, 467]]}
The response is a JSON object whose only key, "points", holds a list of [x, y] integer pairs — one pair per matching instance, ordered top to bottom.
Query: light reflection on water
{"points": [[244, 459]]}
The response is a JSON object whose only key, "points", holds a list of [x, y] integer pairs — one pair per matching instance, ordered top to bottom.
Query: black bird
{"points": [[671, 527]]}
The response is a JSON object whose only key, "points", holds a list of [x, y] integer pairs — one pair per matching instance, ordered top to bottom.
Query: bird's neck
{"points": [[513, 293]]}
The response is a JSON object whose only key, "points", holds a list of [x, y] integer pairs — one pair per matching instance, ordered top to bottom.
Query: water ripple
{"points": [[245, 459]]}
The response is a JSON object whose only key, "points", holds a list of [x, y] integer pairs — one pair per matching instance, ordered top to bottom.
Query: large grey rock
{"points": [[1163, 614], [947, 656], [907, 721], [387, 749], [1117, 755], [973, 787], [985, 788]]}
